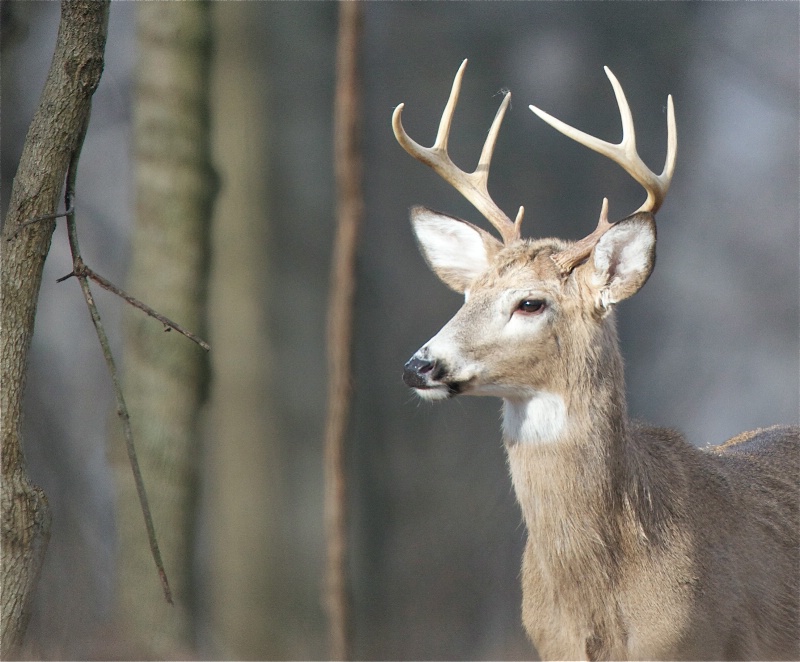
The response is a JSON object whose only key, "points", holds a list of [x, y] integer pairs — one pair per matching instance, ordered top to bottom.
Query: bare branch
{"points": [[35, 220], [82, 270], [82, 273], [124, 416]]}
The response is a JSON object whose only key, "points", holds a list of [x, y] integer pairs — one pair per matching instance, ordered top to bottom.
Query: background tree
{"points": [[347, 167], [165, 376], [244, 613]]}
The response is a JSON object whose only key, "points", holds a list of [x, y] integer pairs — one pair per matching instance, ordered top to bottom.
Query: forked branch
{"points": [[472, 185], [80, 271]]}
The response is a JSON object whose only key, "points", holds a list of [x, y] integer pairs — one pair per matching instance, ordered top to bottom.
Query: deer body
{"points": [[639, 545], [678, 563]]}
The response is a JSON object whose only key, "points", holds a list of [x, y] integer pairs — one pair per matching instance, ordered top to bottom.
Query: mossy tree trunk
{"points": [[165, 375]]}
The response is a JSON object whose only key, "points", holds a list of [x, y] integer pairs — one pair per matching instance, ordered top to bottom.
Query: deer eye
{"points": [[531, 306]]}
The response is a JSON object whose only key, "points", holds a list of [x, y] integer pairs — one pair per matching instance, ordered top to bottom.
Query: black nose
{"points": [[417, 373]]}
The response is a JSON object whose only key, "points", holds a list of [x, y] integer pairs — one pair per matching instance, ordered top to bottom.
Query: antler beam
{"points": [[624, 154], [472, 185]]}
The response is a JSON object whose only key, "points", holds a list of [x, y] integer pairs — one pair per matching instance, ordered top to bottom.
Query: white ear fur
{"points": [[457, 252], [623, 259]]}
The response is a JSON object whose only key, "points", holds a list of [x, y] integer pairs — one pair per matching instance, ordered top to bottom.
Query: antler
{"points": [[625, 155], [472, 185], [571, 257]]}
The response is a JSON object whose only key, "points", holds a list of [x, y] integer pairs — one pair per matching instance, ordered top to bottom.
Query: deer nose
{"points": [[418, 372]]}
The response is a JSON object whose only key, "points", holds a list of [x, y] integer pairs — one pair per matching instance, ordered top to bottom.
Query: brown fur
{"points": [[640, 545]]}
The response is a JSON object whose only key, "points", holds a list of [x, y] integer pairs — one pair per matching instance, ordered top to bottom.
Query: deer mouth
{"points": [[429, 379], [441, 391]]}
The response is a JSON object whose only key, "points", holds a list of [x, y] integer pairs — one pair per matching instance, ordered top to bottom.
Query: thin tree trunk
{"points": [[53, 138], [350, 209], [166, 376], [244, 475]]}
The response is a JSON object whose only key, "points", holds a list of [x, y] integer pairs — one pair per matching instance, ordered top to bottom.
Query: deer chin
{"points": [[440, 390]]}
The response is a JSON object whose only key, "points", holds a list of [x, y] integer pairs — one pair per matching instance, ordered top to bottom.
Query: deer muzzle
{"points": [[422, 373]]}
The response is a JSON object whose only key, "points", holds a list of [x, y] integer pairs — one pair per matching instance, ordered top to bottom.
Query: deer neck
{"points": [[585, 403], [568, 450]]}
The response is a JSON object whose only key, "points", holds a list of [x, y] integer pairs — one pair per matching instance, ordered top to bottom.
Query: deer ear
{"points": [[457, 252], [623, 259]]}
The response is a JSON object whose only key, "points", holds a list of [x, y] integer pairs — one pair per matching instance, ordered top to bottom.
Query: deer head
{"points": [[536, 312]]}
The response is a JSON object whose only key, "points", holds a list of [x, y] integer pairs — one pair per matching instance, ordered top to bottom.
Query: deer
{"points": [[639, 544]]}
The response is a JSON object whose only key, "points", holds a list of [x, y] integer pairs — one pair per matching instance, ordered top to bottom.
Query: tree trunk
{"points": [[53, 137], [349, 212], [166, 375], [243, 488]]}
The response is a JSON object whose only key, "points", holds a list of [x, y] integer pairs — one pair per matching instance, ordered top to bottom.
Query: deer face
{"points": [[534, 310], [526, 323]]}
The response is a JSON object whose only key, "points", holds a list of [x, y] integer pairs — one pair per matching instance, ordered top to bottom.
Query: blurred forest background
{"points": [[711, 343]]}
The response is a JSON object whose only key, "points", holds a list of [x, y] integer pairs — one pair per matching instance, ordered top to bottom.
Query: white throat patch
{"points": [[540, 419]]}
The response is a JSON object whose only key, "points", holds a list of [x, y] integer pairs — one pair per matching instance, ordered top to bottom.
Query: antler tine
{"points": [[443, 134], [624, 153], [472, 185], [571, 257]]}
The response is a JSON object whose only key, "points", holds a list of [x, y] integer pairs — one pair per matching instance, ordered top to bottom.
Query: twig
{"points": [[347, 162], [39, 219], [81, 272], [122, 412]]}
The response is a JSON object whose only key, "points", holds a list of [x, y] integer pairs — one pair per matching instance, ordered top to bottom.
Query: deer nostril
{"points": [[417, 371]]}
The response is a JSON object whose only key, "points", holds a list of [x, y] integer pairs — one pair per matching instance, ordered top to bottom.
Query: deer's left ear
{"points": [[623, 259]]}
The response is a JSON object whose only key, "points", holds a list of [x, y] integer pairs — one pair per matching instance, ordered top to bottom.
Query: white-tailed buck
{"points": [[639, 545]]}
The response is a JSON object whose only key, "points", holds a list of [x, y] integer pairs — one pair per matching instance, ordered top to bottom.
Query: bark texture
{"points": [[53, 137], [165, 375]]}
